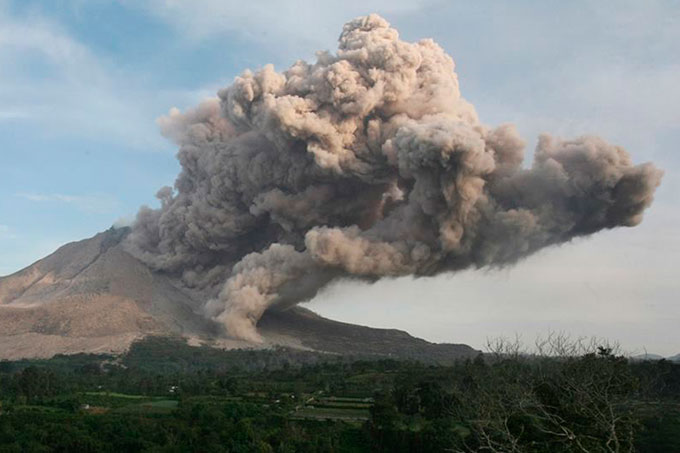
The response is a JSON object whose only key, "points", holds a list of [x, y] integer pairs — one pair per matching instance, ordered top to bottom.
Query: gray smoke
{"points": [[366, 164]]}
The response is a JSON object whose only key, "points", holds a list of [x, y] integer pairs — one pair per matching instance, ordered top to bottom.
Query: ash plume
{"points": [[365, 164]]}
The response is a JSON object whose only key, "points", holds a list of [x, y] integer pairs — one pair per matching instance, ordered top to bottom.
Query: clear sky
{"points": [[82, 82]]}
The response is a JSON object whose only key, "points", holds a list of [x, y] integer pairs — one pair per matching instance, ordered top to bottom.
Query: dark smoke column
{"points": [[367, 163]]}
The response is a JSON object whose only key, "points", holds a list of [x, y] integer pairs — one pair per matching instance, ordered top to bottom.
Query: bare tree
{"points": [[566, 395]]}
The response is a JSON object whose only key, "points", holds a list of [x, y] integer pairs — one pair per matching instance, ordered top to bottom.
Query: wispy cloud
{"points": [[51, 78], [13, 115], [99, 203], [6, 232]]}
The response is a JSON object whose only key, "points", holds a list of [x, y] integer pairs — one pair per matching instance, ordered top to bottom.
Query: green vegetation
{"points": [[167, 396]]}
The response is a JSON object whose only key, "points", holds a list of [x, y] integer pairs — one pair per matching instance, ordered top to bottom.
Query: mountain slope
{"points": [[92, 296], [321, 334]]}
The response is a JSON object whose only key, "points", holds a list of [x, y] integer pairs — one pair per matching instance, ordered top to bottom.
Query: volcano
{"points": [[92, 296]]}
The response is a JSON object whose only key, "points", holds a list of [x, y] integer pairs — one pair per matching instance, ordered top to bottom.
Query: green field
{"points": [[115, 395], [159, 406], [329, 413]]}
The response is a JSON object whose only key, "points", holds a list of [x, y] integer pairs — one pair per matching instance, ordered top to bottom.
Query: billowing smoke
{"points": [[365, 164]]}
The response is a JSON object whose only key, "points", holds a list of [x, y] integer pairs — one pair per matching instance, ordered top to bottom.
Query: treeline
{"points": [[166, 396]]}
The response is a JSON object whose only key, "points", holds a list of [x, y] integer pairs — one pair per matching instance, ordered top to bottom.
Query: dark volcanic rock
{"points": [[321, 334]]}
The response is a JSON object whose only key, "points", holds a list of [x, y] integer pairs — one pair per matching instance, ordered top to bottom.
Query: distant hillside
{"points": [[647, 356]]}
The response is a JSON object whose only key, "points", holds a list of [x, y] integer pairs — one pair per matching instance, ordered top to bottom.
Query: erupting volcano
{"points": [[365, 164]]}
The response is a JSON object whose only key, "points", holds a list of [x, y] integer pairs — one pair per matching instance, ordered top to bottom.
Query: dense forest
{"points": [[167, 396]]}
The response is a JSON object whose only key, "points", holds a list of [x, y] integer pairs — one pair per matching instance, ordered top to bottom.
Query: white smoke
{"points": [[367, 163]]}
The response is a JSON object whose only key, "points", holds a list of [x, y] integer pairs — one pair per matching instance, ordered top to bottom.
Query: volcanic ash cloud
{"points": [[365, 164]]}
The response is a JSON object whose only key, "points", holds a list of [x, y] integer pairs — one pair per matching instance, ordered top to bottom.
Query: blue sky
{"points": [[82, 82]]}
